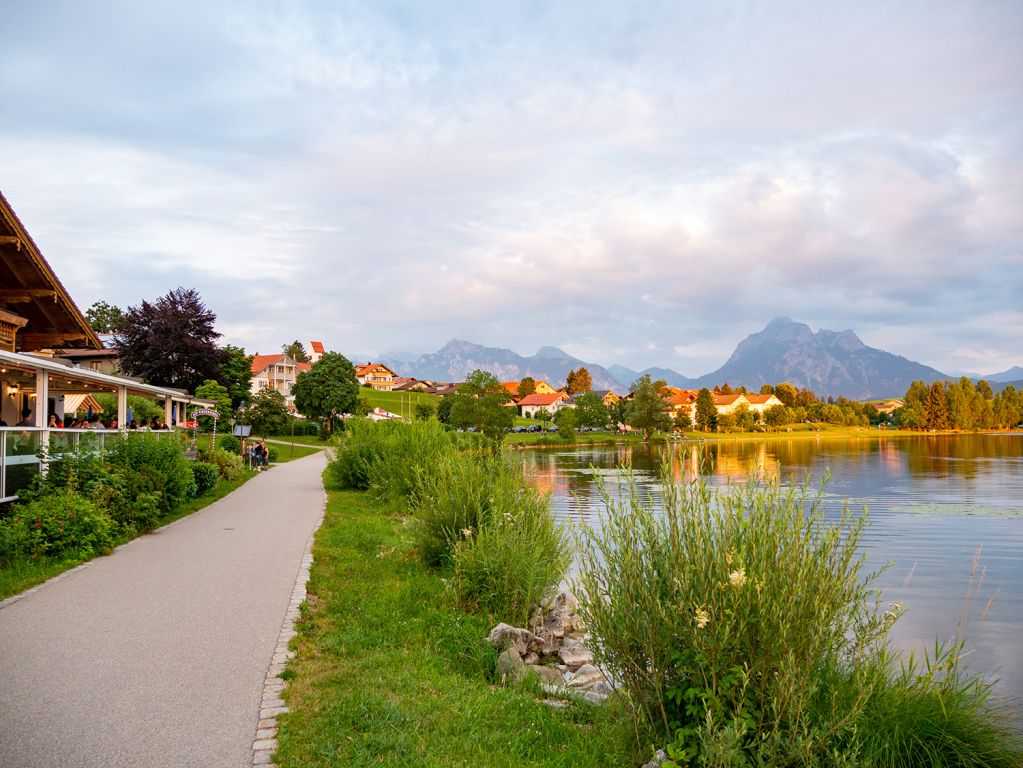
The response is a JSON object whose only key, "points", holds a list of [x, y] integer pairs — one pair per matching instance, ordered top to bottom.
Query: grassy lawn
{"points": [[402, 403], [313, 440], [298, 451], [25, 574], [389, 673]]}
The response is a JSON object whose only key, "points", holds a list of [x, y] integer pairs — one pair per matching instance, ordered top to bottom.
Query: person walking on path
{"points": [[157, 654]]}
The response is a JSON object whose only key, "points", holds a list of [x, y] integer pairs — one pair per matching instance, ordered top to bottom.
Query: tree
{"points": [[104, 318], [170, 342], [296, 351], [236, 374], [578, 381], [527, 386], [725, 389], [767, 389], [985, 389], [213, 390], [327, 390], [786, 393], [480, 403], [937, 407], [444, 409], [647, 409], [423, 411], [590, 411], [268, 412], [619, 412], [706, 412], [776, 416], [683, 421], [567, 422]]}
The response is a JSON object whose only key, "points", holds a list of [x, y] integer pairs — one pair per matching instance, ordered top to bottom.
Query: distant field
{"points": [[401, 403]]}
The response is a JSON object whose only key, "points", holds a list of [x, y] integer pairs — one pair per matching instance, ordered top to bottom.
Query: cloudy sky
{"points": [[637, 183]]}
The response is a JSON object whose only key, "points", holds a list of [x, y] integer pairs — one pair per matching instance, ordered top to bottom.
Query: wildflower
{"points": [[38, 524], [467, 533], [737, 578], [702, 618]]}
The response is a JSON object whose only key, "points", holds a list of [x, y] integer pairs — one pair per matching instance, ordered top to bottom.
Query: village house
{"points": [[315, 351], [275, 372], [376, 375], [409, 384], [542, 388], [551, 402], [760, 403]]}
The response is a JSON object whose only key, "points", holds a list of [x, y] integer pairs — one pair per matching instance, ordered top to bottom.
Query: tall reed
{"points": [[741, 625]]}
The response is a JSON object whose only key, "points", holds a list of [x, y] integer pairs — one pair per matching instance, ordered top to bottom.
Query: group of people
{"points": [[152, 425], [258, 455]]}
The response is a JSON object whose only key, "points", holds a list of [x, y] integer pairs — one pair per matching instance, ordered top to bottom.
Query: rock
{"points": [[564, 602], [553, 626], [504, 636], [575, 654], [530, 659], [509, 664], [547, 675], [585, 678], [603, 687], [594, 698], [554, 703], [660, 756]]}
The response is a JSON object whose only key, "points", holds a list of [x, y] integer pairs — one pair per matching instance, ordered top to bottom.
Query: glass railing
{"points": [[20, 449]]}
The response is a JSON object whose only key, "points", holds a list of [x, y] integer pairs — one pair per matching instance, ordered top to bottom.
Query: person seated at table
{"points": [[54, 422]]}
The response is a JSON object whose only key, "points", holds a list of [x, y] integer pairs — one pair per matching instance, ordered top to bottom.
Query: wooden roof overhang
{"points": [[29, 289]]}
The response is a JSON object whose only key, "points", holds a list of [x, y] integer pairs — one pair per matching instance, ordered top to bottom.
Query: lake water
{"points": [[946, 510]]}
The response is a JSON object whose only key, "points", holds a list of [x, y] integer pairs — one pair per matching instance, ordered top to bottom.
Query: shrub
{"points": [[229, 443], [356, 450], [271, 451], [162, 455], [229, 465], [206, 477], [132, 498], [61, 523], [516, 558], [740, 626]]}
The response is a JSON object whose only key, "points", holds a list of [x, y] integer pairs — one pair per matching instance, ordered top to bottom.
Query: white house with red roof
{"points": [[315, 351], [551, 402], [761, 403]]}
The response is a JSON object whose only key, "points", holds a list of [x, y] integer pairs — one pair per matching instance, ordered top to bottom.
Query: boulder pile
{"points": [[555, 651]]}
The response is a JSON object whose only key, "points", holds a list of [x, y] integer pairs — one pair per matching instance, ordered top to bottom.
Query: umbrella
{"points": [[88, 414], [129, 417]]}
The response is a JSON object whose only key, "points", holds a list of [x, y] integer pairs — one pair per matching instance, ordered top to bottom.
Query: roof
{"points": [[30, 289], [317, 347], [259, 362], [303, 367], [363, 370], [511, 387], [536, 399], [720, 399], [760, 399]]}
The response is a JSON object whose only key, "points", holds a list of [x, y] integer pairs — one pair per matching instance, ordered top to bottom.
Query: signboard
{"points": [[206, 412], [189, 424], [242, 430]]}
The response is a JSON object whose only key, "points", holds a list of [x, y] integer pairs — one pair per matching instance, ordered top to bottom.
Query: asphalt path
{"points": [[157, 654]]}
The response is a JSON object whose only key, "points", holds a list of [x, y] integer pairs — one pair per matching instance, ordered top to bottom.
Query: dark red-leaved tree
{"points": [[171, 342]]}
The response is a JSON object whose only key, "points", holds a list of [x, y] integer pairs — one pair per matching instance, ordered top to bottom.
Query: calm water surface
{"points": [[947, 511]]}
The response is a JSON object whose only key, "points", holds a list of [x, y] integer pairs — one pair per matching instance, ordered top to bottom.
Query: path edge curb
{"points": [[271, 704]]}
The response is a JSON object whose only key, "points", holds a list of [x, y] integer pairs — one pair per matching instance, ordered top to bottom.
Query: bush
{"points": [[229, 443], [356, 450], [271, 454], [164, 456], [229, 465], [206, 477], [133, 498], [62, 523], [516, 558], [740, 626]]}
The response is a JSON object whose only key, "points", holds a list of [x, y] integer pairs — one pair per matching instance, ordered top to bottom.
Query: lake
{"points": [[946, 510]]}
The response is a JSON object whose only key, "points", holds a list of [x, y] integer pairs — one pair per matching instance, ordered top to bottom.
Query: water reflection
{"points": [[934, 502]]}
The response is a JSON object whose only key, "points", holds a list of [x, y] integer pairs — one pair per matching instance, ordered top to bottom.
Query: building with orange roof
{"points": [[315, 352], [277, 371], [376, 375], [542, 388], [760, 403]]}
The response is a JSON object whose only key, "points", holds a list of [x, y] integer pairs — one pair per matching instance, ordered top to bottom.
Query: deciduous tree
{"points": [[104, 317], [170, 342], [236, 374], [578, 381], [527, 386], [327, 390], [217, 392], [480, 403], [647, 409], [590, 411], [268, 412], [706, 413]]}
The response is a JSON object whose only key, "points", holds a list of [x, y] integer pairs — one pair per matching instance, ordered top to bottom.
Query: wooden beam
{"points": [[11, 240], [24, 295], [37, 340]]}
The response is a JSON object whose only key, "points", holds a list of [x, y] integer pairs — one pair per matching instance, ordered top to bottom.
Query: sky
{"points": [[638, 183]]}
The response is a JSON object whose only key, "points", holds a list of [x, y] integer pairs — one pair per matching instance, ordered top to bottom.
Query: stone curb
{"points": [[271, 704]]}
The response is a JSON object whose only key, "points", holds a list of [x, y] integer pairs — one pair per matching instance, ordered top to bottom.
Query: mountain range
{"points": [[827, 362]]}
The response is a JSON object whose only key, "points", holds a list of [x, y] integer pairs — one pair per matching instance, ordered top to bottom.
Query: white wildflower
{"points": [[737, 578], [702, 618]]}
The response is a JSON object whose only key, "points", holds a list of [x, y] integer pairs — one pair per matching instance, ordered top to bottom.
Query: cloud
{"points": [[645, 183]]}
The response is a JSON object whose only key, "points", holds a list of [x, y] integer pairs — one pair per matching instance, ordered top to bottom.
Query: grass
{"points": [[402, 403], [312, 440], [286, 453], [25, 574], [389, 673]]}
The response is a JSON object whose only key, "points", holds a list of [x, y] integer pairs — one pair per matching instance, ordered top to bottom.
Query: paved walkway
{"points": [[156, 655]]}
